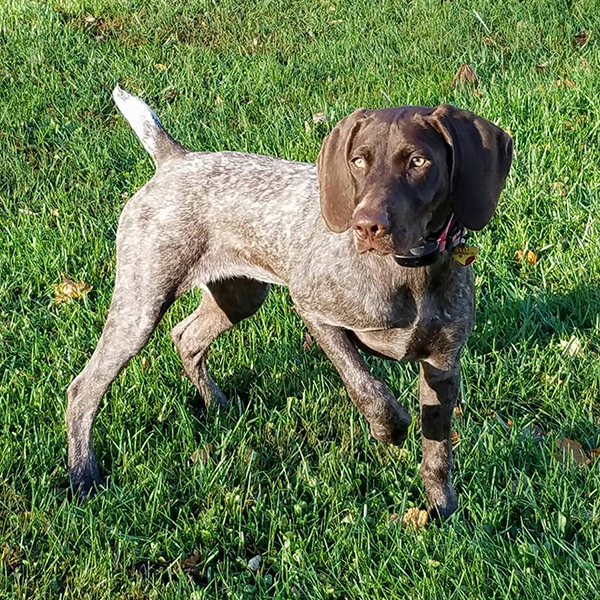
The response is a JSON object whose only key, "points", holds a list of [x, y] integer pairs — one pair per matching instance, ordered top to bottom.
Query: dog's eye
{"points": [[418, 161], [359, 163]]}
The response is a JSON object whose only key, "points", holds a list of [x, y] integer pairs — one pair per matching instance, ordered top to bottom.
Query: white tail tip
{"points": [[143, 121]]}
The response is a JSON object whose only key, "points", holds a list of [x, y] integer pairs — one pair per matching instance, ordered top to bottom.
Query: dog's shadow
{"points": [[534, 320], [286, 365]]}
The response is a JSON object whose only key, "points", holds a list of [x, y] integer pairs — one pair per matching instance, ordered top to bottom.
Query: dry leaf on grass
{"points": [[581, 38], [541, 66], [161, 67], [465, 75], [564, 82], [319, 118], [559, 187], [526, 256], [68, 289], [308, 342], [571, 347], [145, 363], [458, 411], [455, 438], [570, 448], [201, 454], [594, 454], [415, 518], [10, 557], [192, 566]]}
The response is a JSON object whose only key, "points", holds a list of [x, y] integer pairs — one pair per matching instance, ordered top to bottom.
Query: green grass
{"points": [[291, 473]]}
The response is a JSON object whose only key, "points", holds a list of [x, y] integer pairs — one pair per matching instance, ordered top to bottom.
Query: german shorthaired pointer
{"points": [[364, 242]]}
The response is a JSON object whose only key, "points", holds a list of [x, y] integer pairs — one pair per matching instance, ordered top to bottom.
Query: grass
{"points": [[289, 473]]}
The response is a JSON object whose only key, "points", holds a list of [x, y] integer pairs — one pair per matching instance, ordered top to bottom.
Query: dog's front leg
{"points": [[439, 392], [388, 420]]}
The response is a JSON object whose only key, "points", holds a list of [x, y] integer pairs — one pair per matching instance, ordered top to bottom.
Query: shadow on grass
{"points": [[505, 320]]}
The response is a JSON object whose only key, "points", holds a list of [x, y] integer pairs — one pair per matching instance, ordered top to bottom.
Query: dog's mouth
{"points": [[382, 246]]}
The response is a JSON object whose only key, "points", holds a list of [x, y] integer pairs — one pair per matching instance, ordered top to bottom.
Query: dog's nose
{"points": [[370, 224]]}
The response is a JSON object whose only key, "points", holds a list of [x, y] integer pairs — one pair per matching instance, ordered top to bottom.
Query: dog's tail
{"points": [[155, 139]]}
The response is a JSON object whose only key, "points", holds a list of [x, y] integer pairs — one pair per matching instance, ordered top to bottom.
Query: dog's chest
{"points": [[409, 320], [425, 330]]}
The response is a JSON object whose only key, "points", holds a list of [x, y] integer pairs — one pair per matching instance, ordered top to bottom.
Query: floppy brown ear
{"points": [[481, 157], [335, 181]]}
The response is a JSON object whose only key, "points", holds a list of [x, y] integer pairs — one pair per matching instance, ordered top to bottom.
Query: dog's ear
{"points": [[481, 154], [335, 181]]}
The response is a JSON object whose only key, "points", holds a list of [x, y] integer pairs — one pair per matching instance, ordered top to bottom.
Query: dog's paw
{"points": [[218, 398], [394, 429], [85, 482], [443, 504]]}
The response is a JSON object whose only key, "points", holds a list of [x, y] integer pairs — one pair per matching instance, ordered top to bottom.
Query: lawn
{"points": [[290, 473]]}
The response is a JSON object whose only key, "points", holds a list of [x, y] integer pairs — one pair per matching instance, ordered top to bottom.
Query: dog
{"points": [[364, 241]]}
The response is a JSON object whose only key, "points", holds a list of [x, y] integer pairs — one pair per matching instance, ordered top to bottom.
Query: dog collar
{"points": [[451, 235]]}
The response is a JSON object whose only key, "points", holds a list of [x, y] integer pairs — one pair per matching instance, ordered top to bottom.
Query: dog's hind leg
{"points": [[144, 290], [224, 303]]}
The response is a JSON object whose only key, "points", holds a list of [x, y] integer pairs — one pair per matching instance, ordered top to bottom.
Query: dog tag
{"points": [[465, 255]]}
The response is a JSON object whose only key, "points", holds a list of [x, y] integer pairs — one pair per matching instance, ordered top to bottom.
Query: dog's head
{"points": [[394, 175]]}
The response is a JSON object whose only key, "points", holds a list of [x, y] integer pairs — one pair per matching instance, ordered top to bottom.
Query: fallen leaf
{"points": [[581, 38], [584, 63], [160, 66], [540, 67], [465, 75], [564, 82], [172, 93], [218, 99], [319, 118], [307, 127], [559, 186], [528, 256], [68, 289], [308, 342], [571, 347], [145, 363], [551, 379], [458, 411], [509, 422], [455, 438], [571, 448], [202, 454], [594, 454], [415, 518], [10, 557], [191, 561], [254, 563], [433, 563], [192, 566]]}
